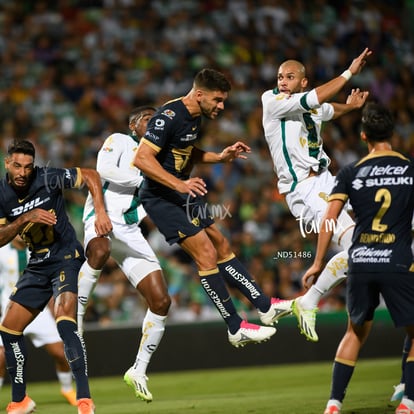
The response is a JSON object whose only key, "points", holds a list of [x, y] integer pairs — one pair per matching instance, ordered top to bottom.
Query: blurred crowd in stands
{"points": [[71, 70]]}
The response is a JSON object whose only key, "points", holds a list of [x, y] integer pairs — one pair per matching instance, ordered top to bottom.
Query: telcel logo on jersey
{"points": [[389, 170], [30, 205]]}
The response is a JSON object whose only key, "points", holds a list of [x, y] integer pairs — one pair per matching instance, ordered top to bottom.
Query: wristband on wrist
{"points": [[347, 74]]}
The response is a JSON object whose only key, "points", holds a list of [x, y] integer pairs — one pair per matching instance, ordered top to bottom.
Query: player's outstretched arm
{"points": [[330, 89], [229, 154]]}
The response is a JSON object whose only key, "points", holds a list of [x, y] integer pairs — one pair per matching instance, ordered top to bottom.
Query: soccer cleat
{"points": [[278, 309], [306, 321], [250, 333], [139, 384], [398, 392], [70, 396], [26, 406], [86, 406], [332, 409], [403, 409]]}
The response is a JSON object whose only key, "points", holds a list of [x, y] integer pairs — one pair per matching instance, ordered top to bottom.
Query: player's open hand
{"points": [[359, 62], [357, 98], [234, 151], [193, 186], [39, 215]]}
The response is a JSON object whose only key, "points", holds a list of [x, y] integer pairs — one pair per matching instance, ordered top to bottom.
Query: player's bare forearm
{"points": [[146, 161], [92, 179], [9, 231]]}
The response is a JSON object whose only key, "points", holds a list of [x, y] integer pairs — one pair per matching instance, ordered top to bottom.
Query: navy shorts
{"points": [[176, 215], [42, 280], [397, 289]]}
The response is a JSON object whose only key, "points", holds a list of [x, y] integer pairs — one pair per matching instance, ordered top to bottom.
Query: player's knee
{"points": [[98, 252], [207, 257], [161, 305]]}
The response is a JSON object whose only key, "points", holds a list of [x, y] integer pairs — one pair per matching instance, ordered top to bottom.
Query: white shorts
{"points": [[308, 203], [129, 248], [42, 330]]}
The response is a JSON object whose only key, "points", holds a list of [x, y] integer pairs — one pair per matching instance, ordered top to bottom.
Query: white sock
{"points": [[333, 274], [87, 280], [153, 327], [65, 379], [1, 382], [336, 403]]}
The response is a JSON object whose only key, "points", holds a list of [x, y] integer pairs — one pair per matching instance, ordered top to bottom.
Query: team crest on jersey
{"points": [[282, 96], [168, 113], [107, 148], [323, 196]]}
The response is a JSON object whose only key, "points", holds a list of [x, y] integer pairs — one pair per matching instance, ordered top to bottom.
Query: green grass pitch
{"points": [[281, 389]]}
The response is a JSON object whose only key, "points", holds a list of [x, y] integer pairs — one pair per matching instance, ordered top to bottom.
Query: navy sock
{"points": [[237, 276], [213, 283], [405, 351], [76, 355], [16, 356], [341, 375], [409, 379]]}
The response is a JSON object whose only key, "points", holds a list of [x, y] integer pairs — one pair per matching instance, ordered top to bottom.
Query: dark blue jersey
{"points": [[172, 132], [380, 188], [46, 192]]}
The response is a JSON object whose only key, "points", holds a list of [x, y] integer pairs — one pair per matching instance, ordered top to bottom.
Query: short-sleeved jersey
{"points": [[292, 127], [172, 132], [120, 180], [380, 188], [46, 192]]}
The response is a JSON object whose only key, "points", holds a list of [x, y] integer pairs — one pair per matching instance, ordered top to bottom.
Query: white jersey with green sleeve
{"points": [[292, 126], [120, 180]]}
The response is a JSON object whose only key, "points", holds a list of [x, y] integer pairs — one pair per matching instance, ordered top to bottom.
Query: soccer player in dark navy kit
{"points": [[380, 188], [174, 202], [32, 205]]}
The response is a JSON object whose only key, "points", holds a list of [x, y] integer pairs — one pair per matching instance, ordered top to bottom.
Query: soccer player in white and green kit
{"points": [[292, 121], [126, 244]]}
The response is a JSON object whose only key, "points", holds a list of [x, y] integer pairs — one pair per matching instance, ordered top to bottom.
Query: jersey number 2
{"points": [[384, 196]]}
